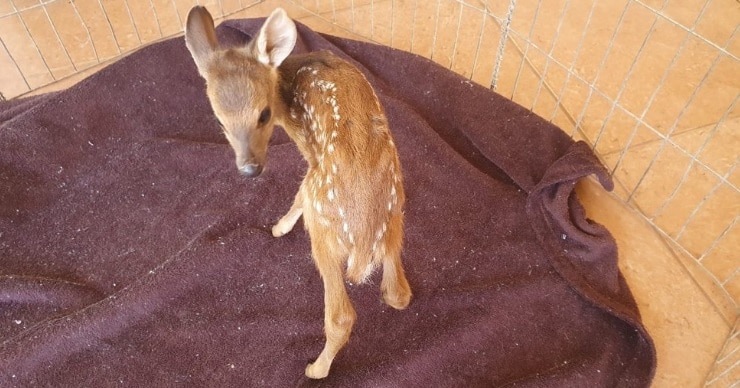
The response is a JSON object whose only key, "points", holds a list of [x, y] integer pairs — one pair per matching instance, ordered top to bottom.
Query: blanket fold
{"points": [[133, 253]]}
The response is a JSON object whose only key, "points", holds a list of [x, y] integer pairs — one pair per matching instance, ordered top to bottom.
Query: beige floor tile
{"points": [[25, 4], [184, 6], [231, 6], [6, 8], [685, 12], [402, 15], [169, 20], [605, 20], [145, 21], [719, 21], [121, 23], [423, 30], [545, 30], [101, 32], [572, 33], [44, 36], [74, 36], [466, 45], [626, 45], [733, 46], [23, 50], [485, 56], [649, 69], [11, 78], [67, 82], [676, 91], [714, 96], [621, 131], [692, 140], [721, 150], [632, 164], [734, 177], [659, 184], [698, 184], [712, 217], [722, 259], [732, 286], [686, 326], [726, 370]]}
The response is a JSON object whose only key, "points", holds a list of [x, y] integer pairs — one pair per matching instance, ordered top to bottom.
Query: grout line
{"points": [[177, 12], [563, 12], [156, 16], [133, 22], [413, 26], [110, 27], [87, 30], [691, 31], [457, 37], [59, 38], [434, 38], [529, 43], [478, 45], [36, 46], [569, 71], [25, 80], [592, 87], [622, 88], [718, 240], [732, 275], [725, 372]]}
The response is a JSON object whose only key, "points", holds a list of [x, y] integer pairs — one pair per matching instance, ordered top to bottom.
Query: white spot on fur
{"points": [[330, 148], [334, 168], [331, 194], [350, 262]]}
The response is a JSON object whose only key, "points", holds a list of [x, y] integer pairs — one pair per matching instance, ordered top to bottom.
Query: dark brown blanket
{"points": [[132, 253]]}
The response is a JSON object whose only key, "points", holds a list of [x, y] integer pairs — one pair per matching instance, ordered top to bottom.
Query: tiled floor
{"points": [[667, 123]]}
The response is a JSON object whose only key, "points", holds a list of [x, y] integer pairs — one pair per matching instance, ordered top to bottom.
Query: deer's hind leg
{"points": [[394, 286], [339, 315]]}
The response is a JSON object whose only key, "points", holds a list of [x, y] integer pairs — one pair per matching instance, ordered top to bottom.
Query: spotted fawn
{"points": [[352, 195]]}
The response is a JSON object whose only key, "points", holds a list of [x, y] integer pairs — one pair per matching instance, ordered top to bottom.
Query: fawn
{"points": [[352, 196]]}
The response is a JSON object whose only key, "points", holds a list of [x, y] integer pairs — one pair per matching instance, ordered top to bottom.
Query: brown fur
{"points": [[352, 196]]}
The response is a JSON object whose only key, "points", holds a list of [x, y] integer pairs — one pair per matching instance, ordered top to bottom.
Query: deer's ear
{"points": [[200, 37], [276, 39]]}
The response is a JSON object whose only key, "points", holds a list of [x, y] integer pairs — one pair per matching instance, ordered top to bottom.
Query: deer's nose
{"points": [[251, 169]]}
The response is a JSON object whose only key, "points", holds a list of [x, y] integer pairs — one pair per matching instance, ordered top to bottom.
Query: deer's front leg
{"points": [[288, 221]]}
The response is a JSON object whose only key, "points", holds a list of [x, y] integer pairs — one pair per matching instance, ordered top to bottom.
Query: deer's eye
{"points": [[264, 116]]}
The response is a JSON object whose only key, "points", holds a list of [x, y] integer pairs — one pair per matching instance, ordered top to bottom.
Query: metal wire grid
{"points": [[180, 8], [500, 14]]}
